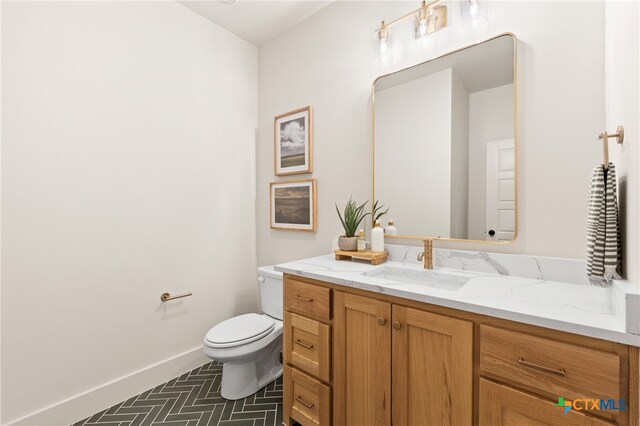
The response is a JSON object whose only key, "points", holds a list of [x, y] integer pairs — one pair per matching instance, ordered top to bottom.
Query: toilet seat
{"points": [[240, 330]]}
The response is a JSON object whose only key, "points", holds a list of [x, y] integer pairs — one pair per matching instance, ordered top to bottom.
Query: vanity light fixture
{"points": [[474, 11], [428, 18], [426, 21]]}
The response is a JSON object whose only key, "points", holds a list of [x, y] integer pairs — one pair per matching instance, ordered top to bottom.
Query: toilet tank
{"points": [[270, 291]]}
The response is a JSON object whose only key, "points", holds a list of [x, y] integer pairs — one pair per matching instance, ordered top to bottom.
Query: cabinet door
{"points": [[362, 361], [432, 369], [503, 406]]}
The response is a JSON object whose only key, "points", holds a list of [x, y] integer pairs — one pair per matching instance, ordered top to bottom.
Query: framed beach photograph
{"points": [[293, 142], [293, 205]]}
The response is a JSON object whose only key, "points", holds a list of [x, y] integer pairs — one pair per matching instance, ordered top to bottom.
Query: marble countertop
{"points": [[570, 307]]}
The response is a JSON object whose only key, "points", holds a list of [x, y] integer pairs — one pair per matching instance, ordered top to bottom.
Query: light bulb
{"points": [[473, 7], [422, 22], [422, 28], [383, 37]]}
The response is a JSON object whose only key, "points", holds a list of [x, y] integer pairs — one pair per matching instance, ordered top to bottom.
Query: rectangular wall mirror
{"points": [[445, 142]]}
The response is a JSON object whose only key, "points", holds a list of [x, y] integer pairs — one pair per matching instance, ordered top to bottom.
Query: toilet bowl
{"points": [[249, 345]]}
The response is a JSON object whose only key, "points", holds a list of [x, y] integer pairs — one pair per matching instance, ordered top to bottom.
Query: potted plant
{"points": [[351, 218]]}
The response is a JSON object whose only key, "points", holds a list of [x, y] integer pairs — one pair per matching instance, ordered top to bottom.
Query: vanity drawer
{"points": [[307, 299], [307, 345], [550, 366], [307, 400], [502, 405]]}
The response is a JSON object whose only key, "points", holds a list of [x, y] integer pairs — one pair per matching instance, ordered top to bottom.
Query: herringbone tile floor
{"points": [[194, 399]]}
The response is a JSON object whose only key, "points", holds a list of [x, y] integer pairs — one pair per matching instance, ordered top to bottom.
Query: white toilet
{"points": [[249, 345]]}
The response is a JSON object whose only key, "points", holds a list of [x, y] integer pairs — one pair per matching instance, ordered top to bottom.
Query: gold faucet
{"points": [[427, 254]]}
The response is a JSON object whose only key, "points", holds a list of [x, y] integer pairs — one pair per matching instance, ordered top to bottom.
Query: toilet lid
{"points": [[239, 330]]}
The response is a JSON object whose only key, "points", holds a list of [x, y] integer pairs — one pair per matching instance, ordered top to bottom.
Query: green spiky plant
{"points": [[377, 211], [352, 216]]}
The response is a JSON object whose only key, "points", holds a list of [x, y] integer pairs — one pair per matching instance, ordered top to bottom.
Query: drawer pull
{"points": [[304, 299], [381, 321], [397, 325], [303, 344], [559, 372], [303, 402]]}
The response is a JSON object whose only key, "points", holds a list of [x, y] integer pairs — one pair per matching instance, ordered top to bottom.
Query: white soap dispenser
{"points": [[391, 228], [377, 238]]}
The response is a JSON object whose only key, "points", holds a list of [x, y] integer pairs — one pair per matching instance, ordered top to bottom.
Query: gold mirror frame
{"points": [[515, 140]]}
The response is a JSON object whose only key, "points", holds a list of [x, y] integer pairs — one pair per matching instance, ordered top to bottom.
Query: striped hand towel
{"points": [[604, 248]]}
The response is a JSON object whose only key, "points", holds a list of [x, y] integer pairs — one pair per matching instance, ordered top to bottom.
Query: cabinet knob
{"points": [[381, 321], [396, 325]]}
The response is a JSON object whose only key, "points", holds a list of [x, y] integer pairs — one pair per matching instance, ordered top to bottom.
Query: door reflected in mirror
{"points": [[444, 144]]}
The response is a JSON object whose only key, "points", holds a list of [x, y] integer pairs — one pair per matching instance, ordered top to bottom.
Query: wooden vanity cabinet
{"points": [[378, 346], [357, 358], [398, 365]]}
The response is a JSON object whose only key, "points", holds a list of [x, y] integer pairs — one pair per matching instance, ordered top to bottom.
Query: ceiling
{"points": [[256, 21]]}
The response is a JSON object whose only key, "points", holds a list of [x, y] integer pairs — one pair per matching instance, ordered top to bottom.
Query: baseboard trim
{"points": [[97, 399]]}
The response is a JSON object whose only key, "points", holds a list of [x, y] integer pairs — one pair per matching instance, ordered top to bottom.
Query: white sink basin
{"points": [[444, 280]]}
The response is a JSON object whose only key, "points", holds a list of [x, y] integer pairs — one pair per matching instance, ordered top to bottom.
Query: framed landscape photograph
{"points": [[293, 142], [293, 205]]}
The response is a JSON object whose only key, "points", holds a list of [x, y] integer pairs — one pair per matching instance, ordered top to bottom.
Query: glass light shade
{"points": [[474, 12], [421, 24], [421, 28], [383, 39], [383, 47]]}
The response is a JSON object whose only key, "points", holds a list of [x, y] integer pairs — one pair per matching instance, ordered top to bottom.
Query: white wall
{"points": [[331, 61], [622, 108], [490, 119], [413, 122], [128, 135], [459, 158], [1, 416]]}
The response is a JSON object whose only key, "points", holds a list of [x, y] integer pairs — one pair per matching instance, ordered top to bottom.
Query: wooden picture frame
{"points": [[293, 142], [293, 205]]}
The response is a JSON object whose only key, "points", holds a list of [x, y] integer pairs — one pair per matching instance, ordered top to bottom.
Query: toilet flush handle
{"points": [[260, 279]]}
